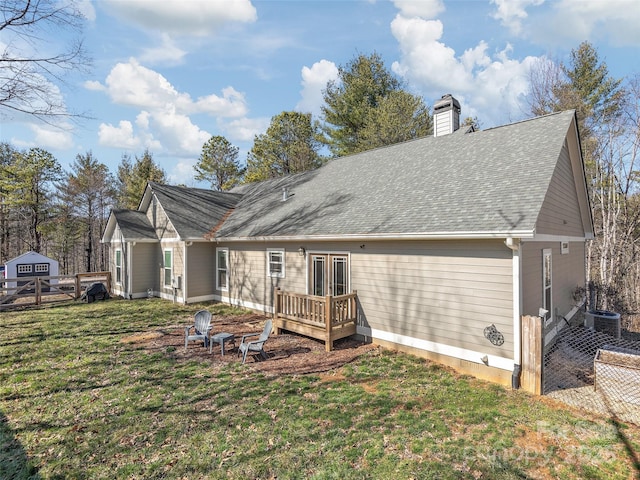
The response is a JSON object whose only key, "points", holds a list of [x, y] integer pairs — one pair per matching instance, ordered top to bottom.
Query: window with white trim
{"points": [[118, 262], [275, 262], [168, 267], [25, 268], [222, 269]]}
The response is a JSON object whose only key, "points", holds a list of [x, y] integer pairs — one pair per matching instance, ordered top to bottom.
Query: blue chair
{"points": [[201, 327]]}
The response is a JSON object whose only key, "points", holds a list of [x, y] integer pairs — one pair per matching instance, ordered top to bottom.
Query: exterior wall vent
{"points": [[446, 116]]}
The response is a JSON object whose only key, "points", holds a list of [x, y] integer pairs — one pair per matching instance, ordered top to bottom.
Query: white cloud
{"points": [[86, 8], [425, 9], [512, 12], [183, 18], [571, 21], [166, 52], [314, 81], [94, 85], [134, 85], [495, 85], [164, 122], [245, 129], [178, 133], [120, 136], [124, 136], [47, 137], [182, 172]]}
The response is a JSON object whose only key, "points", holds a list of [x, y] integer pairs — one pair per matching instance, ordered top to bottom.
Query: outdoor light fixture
{"points": [[302, 251]]}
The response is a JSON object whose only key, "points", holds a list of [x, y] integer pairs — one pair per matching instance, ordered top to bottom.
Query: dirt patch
{"points": [[289, 353]]}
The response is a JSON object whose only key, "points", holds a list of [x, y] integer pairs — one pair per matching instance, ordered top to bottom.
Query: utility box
{"points": [[603, 321]]}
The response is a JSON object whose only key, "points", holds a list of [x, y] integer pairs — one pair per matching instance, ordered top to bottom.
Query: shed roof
{"points": [[484, 183]]}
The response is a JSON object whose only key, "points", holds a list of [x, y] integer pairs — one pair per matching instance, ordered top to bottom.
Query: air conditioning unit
{"points": [[603, 321]]}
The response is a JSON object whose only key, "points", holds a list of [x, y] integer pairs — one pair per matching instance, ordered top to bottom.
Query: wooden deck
{"points": [[327, 318]]}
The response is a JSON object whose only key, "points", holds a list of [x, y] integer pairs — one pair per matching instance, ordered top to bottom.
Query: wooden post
{"points": [[77, 286], [38, 290], [328, 320], [532, 354]]}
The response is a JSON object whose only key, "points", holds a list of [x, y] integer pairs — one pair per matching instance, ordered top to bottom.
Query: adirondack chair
{"points": [[201, 326], [255, 345]]}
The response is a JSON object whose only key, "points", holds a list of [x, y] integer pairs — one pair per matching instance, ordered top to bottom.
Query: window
{"points": [[275, 263], [118, 266], [168, 267], [25, 268], [42, 268], [222, 269], [547, 283]]}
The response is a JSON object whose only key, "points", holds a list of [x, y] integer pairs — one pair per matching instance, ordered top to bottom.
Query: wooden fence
{"points": [[26, 291], [323, 318], [531, 379]]}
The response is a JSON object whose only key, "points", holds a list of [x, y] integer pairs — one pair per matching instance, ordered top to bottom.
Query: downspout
{"points": [[514, 245], [185, 261], [128, 284]]}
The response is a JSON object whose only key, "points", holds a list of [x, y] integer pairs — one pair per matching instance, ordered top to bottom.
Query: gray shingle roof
{"points": [[480, 183], [194, 212], [134, 225]]}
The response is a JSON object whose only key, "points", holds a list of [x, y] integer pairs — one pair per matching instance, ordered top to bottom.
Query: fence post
{"points": [[77, 286], [38, 291], [532, 354]]}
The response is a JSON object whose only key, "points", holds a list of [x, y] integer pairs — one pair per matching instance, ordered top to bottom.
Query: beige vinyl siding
{"points": [[560, 213], [159, 220], [201, 259], [144, 261], [568, 272], [248, 280], [439, 291], [444, 292]]}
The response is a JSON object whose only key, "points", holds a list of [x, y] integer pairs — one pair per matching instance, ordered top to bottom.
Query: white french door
{"points": [[328, 274]]}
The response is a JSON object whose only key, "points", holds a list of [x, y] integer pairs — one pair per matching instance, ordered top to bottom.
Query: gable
{"points": [[566, 210], [186, 213], [31, 257]]}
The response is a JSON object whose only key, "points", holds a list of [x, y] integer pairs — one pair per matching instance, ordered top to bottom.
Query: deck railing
{"points": [[325, 318]]}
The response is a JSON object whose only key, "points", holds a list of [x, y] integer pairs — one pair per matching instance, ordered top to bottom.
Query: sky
{"points": [[169, 74]]}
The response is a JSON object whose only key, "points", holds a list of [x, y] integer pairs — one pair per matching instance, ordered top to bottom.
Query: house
{"points": [[448, 240], [29, 264]]}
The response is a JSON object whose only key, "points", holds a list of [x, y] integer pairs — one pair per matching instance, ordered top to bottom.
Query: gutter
{"points": [[384, 236]]}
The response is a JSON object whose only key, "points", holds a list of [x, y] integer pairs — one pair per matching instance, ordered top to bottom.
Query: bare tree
{"points": [[31, 73]]}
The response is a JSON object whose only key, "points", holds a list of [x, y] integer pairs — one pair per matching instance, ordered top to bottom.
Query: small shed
{"points": [[30, 264]]}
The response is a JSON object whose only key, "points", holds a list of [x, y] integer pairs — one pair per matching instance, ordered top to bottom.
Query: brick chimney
{"points": [[446, 116]]}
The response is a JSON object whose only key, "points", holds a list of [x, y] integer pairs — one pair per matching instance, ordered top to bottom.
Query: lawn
{"points": [[77, 401]]}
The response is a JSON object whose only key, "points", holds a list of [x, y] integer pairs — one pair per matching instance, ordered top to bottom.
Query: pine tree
{"points": [[289, 145], [218, 164]]}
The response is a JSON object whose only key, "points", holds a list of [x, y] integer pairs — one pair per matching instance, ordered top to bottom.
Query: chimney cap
{"points": [[447, 102]]}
